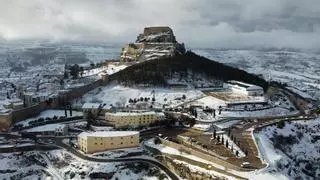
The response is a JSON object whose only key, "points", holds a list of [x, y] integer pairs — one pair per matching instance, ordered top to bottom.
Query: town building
{"points": [[245, 88], [14, 103], [133, 119], [92, 142]]}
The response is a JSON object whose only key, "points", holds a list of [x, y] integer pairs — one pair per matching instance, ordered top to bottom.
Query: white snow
{"points": [[120, 95], [51, 114], [48, 127], [108, 134], [302, 150]]}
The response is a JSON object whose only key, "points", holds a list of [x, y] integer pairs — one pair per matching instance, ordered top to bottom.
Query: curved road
{"points": [[172, 175]]}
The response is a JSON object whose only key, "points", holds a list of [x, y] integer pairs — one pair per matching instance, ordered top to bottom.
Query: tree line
{"points": [[157, 71]]}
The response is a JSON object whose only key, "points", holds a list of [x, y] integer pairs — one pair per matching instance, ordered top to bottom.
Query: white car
{"points": [[246, 165]]}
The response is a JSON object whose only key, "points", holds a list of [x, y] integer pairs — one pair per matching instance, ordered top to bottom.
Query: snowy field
{"points": [[110, 69], [299, 69], [118, 95], [277, 106], [50, 114], [292, 152], [118, 153], [59, 164]]}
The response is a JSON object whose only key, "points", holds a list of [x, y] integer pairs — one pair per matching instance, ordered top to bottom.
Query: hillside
{"points": [[160, 71], [292, 151]]}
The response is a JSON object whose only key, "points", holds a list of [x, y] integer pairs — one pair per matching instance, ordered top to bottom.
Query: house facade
{"points": [[134, 119], [107, 140]]}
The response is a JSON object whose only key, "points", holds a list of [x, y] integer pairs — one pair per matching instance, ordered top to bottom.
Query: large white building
{"points": [[245, 88], [92, 142]]}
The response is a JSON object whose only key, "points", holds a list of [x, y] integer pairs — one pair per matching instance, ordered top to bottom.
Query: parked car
{"points": [[246, 165]]}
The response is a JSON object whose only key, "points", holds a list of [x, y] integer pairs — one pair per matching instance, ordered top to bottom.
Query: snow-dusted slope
{"points": [[296, 68], [292, 152]]}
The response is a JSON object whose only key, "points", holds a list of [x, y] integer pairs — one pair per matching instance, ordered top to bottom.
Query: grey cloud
{"points": [[204, 23]]}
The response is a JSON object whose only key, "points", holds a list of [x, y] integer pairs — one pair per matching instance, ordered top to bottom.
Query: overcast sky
{"points": [[202, 23]]}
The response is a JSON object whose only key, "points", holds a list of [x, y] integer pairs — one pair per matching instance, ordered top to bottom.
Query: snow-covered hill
{"points": [[299, 69], [292, 152]]}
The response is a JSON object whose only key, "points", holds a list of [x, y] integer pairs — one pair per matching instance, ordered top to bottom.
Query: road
{"points": [[172, 175]]}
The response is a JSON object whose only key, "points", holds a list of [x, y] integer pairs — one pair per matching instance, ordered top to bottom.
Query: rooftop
{"points": [[246, 85], [94, 106], [131, 113], [108, 134]]}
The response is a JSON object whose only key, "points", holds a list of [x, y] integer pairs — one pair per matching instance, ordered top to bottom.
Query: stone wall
{"points": [[157, 29], [28, 112]]}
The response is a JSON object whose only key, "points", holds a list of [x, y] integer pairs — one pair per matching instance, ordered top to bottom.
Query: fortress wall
{"points": [[153, 30]]}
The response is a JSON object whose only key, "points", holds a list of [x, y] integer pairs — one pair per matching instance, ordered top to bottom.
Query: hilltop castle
{"points": [[153, 43]]}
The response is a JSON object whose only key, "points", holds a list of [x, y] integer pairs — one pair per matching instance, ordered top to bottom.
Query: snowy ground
{"points": [[110, 69], [299, 69], [118, 95], [277, 107], [50, 114], [169, 150], [292, 152], [118, 153], [59, 164]]}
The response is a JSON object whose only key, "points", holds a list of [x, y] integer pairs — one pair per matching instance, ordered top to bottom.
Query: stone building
{"points": [[133, 119], [107, 140]]}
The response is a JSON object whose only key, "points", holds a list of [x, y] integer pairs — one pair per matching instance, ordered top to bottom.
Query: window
{"points": [[121, 137], [131, 137], [121, 142], [131, 142], [95, 143], [111, 143], [101, 144]]}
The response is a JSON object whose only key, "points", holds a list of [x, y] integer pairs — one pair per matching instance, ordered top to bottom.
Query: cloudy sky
{"points": [[201, 23]]}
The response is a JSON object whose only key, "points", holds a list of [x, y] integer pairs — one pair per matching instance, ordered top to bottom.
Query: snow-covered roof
{"points": [[249, 87], [93, 106], [131, 113], [48, 127], [108, 134]]}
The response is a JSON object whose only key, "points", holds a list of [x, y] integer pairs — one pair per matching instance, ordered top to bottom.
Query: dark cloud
{"points": [[205, 23]]}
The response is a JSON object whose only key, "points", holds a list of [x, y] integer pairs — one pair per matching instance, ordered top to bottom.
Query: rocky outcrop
{"points": [[157, 35], [153, 43]]}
